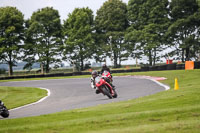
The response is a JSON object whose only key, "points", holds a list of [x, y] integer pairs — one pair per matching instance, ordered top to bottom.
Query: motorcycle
{"points": [[102, 83], [3, 110]]}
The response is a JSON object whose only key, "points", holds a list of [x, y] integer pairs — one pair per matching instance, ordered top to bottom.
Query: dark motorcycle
{"points": [[104, 87], [3, 110]]}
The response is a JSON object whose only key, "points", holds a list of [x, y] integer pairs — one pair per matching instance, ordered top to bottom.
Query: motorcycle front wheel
{"points": [[106, 92], [115, 93], [5, 114]]}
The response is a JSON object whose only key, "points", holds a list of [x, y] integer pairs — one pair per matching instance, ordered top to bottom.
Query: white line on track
{"points": [[154, 79], [163, 85], [42, 99]]}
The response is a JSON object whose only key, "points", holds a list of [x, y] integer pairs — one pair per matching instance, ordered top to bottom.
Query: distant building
{"points": [[94, 64], [19, 66]]}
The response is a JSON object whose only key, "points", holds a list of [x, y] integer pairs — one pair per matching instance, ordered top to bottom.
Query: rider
{"points": [[105, 68], [94, 75], [1, 103]]}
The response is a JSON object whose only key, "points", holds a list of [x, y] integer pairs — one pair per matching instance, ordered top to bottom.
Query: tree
{"points": [[148, 24], [110, 25], [183, 30], [78, 31], [11, 35], [43, 38], [195, 50]]}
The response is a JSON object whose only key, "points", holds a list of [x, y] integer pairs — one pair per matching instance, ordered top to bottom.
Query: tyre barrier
{"points": [[197, 65], [171, 66], [180, 66], [162, 67], [146, 68], [153, 68], [129, 70], [136, 70], [117, 71], [77, 73]]}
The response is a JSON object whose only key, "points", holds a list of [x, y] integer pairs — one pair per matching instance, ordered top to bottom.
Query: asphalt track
{"points": [[66, 94]]}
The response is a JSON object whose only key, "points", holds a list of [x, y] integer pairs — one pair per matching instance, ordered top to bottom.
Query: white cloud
{"points": [[27, 7]]}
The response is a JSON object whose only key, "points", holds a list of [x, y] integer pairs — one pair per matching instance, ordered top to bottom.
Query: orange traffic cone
{"points": [[176, 86]]}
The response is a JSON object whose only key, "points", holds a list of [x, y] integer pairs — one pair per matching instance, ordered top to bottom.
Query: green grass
{"points": [[182, 75], [46, 78], [18, 96], [167, 112]]}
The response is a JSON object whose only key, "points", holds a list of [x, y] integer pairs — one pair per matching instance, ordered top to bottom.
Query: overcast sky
{"points": [[27, 7], [64, 7]]}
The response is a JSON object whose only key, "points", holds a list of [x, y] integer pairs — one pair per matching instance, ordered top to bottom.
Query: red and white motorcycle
{"points": [[104, 86]]}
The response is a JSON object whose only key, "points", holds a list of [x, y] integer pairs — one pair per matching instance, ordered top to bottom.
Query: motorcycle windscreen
{"points": [[106, 73], [98, 81]]}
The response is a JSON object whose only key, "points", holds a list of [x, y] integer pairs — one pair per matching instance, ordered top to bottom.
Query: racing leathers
{"points": [[93, 85]]}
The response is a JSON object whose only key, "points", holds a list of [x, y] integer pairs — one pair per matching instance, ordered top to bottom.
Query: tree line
{"points": [[119, 31]]}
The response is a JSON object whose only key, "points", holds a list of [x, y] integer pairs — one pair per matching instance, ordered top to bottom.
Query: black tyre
{"points": [[106, 91], [115, 93], [5, 114]]}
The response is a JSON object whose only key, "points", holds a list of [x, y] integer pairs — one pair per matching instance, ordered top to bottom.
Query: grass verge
{"points": [[46, 78], [18, 96], [167, 112]]}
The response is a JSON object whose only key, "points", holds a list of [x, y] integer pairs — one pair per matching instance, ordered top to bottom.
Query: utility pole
{"points": [[110, 37], [136, 62], [73, 64]]}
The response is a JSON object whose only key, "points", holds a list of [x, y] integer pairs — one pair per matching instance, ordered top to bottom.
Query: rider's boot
{"points": [[113, 87], [97, 91]]}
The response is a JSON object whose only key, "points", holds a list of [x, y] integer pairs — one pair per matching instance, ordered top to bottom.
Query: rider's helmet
{"points": [[104, 66], [94, 74], [1, 103]]}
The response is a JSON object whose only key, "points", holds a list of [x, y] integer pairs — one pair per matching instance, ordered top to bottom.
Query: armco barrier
{"points": [[146, 68]]}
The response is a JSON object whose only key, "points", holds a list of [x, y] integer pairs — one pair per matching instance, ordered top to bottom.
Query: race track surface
{"points": [[69, 94]]}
